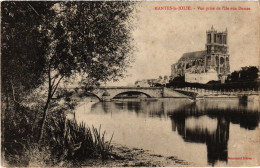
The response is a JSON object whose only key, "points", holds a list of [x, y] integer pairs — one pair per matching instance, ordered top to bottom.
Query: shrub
{"points": [[18, 132], [64, 140]]}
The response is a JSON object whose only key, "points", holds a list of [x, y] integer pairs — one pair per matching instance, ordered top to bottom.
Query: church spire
{"points": [[212, 28]]}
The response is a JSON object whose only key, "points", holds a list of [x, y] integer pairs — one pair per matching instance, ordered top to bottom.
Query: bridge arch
{"points": [[140, 92], [93, 94]]}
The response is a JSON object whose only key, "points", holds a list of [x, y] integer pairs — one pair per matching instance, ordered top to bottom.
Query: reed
{"points": [[71, 140], [65, 142]]}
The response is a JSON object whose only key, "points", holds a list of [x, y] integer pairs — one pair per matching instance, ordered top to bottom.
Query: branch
{"points": [[33, 9], [54, 77], [54, 80], [50, 85], [56, 86], [13, 93]]}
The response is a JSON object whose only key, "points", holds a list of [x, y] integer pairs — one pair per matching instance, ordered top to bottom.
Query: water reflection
{"points": [[203, 122], [191, 123], [216, 141]]}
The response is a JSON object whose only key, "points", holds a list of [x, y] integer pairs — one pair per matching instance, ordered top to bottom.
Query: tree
{"points": [[90, 38], [46, 42], [23, 49], [249, 73], [253, 73], [245, 74], [234, 76], [165, 78]]}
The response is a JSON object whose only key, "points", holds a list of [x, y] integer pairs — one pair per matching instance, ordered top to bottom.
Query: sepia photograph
{"points": [[130, 84]]}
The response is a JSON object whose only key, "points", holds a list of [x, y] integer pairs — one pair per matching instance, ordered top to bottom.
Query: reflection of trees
{"points": [[130, 106], [103, 107], [151, 108], [180, 111], [238, 114], [217, 141]]}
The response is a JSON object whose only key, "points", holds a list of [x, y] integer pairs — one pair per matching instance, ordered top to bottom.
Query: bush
{"points": [[19, 130], [64, 141]]}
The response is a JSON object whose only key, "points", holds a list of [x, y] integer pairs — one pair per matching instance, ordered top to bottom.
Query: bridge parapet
{"points": [[127, 87]]}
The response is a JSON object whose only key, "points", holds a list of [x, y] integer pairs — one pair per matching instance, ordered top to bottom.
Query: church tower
{"points": [[217, 55]]}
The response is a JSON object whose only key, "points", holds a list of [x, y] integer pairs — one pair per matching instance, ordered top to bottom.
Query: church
{"points": [[207, 65]]}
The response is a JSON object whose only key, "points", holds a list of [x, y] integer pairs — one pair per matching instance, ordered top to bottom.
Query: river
{"points": [[204, 133]]}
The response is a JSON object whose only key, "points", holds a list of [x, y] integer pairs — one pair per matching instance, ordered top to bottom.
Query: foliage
{"points": [[90, 38], [44, 43], [23, 49], [245, 74], [234, 76], [179, 79], [176, 82], [214, 82], [158, 85], [19, 127], [65, 140], [70, 140], [38, 156]]}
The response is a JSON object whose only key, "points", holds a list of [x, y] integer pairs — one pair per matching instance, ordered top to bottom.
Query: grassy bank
{"points": [[64, 141], [67, 143]]}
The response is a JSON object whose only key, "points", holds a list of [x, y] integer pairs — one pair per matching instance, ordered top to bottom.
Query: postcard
{"points": [[130, 83]]}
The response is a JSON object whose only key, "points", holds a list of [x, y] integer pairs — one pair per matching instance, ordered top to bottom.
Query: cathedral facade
{"points": [[215, 58]]}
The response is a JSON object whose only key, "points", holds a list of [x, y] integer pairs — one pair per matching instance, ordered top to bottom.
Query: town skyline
{"points": [[162, 37]]}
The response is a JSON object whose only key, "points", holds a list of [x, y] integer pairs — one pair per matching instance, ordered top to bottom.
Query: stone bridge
{"points": [[108, 93]]}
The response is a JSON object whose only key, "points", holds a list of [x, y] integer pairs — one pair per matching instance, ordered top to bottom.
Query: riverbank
{"points": [[123, 156]]}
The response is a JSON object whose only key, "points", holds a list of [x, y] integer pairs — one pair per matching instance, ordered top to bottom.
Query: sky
{"points": [[162, 36]]}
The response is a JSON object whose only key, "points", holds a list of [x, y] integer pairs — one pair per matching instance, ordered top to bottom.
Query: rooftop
{"points": [[193, 55]]}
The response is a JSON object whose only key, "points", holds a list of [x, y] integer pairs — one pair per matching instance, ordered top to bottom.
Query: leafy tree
{"points": [[90, 38], [46, 42], [23, 49], [22, 70], [249, 73], [245, 74], [234, 76]]}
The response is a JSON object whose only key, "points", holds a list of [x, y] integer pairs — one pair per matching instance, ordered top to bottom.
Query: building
{"points": [[215, 57], [211, 75], [152, 82], [142, 83]]}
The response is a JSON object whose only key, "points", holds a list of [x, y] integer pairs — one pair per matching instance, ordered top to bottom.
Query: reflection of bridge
{"points": [[108, 93]]}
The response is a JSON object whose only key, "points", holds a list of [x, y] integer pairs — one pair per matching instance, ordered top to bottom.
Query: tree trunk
{"points": [[52, 89], [45, 110]]}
